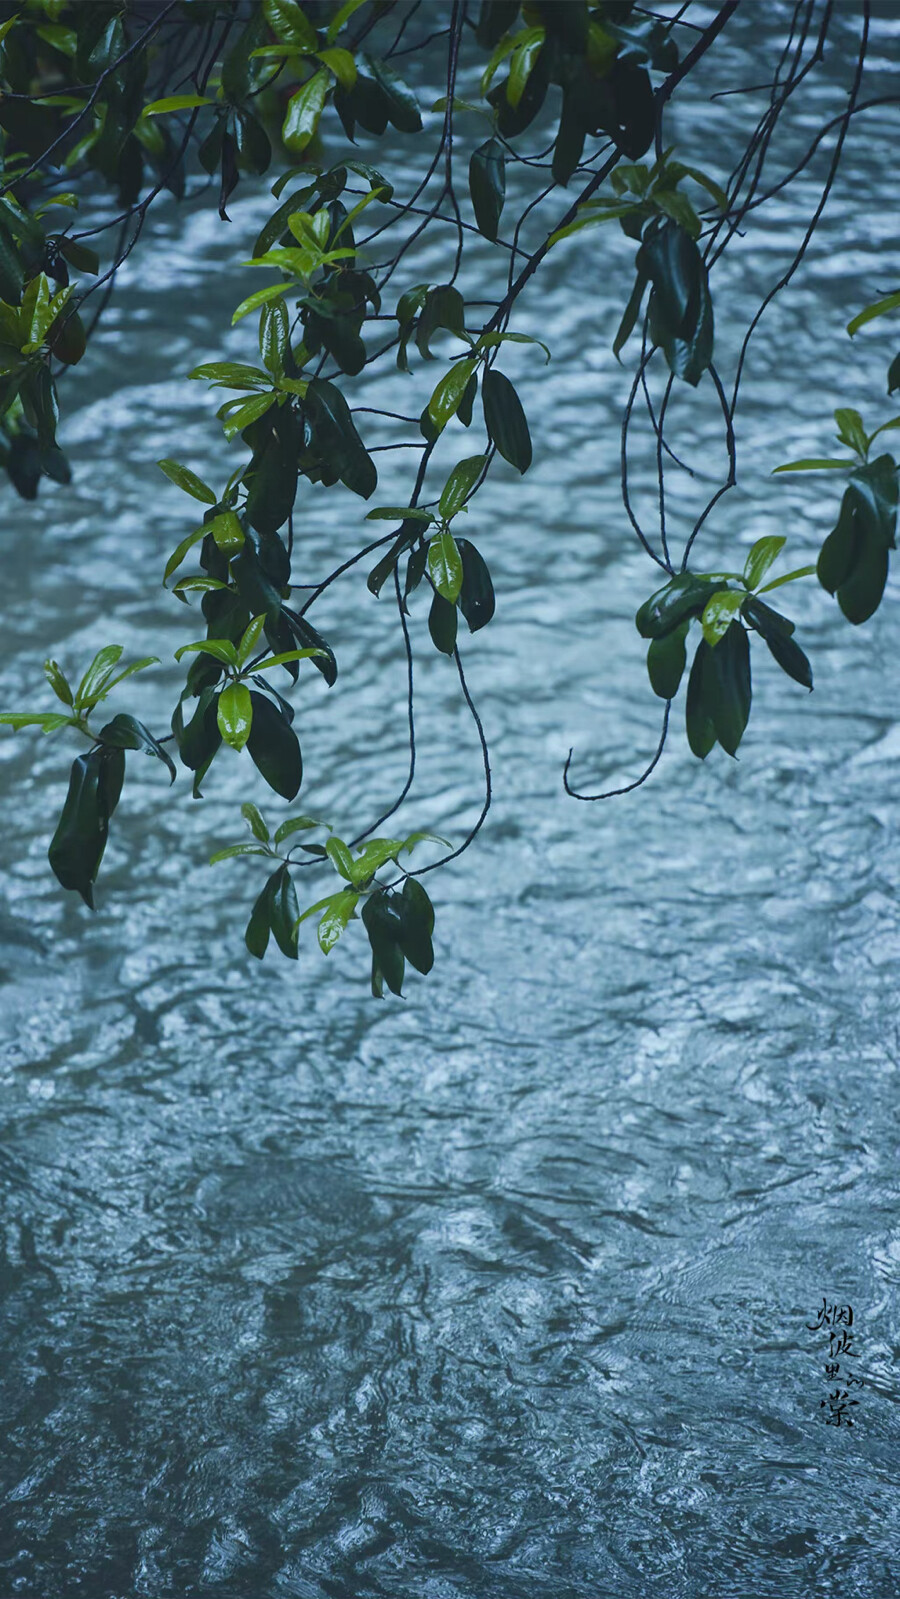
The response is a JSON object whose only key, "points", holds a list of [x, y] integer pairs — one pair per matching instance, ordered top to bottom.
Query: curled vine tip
{"points": [[612, 793]]}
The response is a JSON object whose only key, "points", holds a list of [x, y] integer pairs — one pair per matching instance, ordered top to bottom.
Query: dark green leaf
{"points": [[402, 108], [487, 186], [505, 419], [337, 440], [476, 597], [682, 597], [442, 624], [666, 658], [727, 673], [701, 730], [127, 733], [274, 747], [80, 838], [284, 912], [381, 919], [416, 926], [256, 937]]}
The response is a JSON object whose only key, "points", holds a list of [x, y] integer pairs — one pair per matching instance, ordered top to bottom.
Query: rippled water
{"points": [[501, 1290]]}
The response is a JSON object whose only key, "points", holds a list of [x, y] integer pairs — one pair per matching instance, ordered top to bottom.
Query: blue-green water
{"points": [[501, 1291]]}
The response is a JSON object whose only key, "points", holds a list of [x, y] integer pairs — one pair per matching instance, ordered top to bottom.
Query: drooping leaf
{"points": [[304, 109], [487, 186], [505, 419], [337, 439], [445, 566], [476, 596], [682, 597], [443, 620], [666, 660], [127, 733], [274, 747], [78, 844], [284, 912], [381, 919], [416, 926]]}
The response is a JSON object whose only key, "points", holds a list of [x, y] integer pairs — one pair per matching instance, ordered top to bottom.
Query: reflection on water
{"points": [[501, 1291]]}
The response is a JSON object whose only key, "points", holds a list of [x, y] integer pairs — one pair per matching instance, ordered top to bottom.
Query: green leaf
{"points": [[343, 15], [289, 24], [524, 59], [341, 63], [175, 102], [402, 107], [304, 109], [487, 186], [254, 301], [891, 302], [680, 310], [490, 341], [232, 375], [445, 400], [246, 412], [505, 419], [851, 430], [337, 439], [838, 464], [185, 479], [459, 486], [401, 513], [227, 532], [178, 555], [761, 557], [445, 566], [789, 577], [476, 597], [682, 597], [718, 614], [442, 624], [250, 638], [221, 649], [290, 655], [666, 660], [97, 674], [58, 682], [730, 699], [235, 715], [49, 721], [701, 730], [127, 733], [274, 747], [254, 819], [297, 824], [410, 843], [76, 849], [233, 851], [340, 857], [372, 857], [341, 908], [284, 912], [381, 919], [416, 926], [256, 937]]}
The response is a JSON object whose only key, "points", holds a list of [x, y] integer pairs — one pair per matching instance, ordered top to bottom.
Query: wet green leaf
{"points": [[505, 419], [185, 479], [764, 552], [445, 566], [274, 747]]}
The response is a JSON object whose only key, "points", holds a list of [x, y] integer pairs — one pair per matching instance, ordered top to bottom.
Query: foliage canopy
{"points": [[133, 99]]}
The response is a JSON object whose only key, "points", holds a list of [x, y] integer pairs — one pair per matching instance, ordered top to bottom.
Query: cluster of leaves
{"points": [[94, 91], [399, 924]]}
